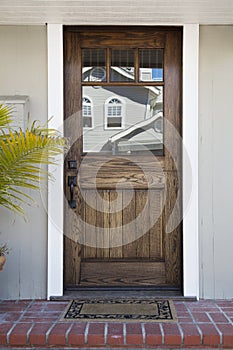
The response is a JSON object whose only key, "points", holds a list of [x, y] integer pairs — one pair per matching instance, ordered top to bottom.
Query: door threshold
{"points": [[113, 293]]}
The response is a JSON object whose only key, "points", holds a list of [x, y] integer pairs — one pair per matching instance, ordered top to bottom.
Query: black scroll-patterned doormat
{"points": [[146, 310]]}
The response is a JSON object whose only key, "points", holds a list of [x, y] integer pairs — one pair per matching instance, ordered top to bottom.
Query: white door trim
{"points": [[190, 140], [190, 143], [55, 188]]}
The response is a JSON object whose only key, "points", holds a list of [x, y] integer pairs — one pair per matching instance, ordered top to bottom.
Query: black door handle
{"points": [[72, 181]]}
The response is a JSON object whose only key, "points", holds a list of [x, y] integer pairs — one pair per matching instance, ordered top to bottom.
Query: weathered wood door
{"points": [[123, 117]]}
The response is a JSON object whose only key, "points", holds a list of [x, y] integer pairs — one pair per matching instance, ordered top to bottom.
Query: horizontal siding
{"points": [[116, 12]]}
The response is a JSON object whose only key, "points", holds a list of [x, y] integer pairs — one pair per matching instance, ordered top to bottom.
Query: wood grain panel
{"points": [[123, 38], [139, 172], [106, 222], [156, 224], [90, 225], [129, 232], [173, 238], [115, 240], [143, 243], [72, 262], [122, 273]]}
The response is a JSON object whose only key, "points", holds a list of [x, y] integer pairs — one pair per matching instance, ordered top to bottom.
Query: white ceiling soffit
{"points": [[116, 12]]}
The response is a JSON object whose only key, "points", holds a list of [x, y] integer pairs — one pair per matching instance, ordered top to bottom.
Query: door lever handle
{"points": [[72, 181]]}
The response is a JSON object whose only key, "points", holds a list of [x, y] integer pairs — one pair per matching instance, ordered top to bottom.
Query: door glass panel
{"points": [[93, 65], [122, 65], [151, 65], [126, 119]]}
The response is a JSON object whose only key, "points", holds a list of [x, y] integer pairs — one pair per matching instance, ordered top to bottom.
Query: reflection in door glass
{"points": [[151, 64], [93, 65], [122, 65], [126, 119]]}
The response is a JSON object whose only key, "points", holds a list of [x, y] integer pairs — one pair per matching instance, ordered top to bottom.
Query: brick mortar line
{"points": [[17, 322], [196, 324], [218, 330], [48, 332], [162, 332], [28, 333], [67, 333], [86, 333], [105, 333], [124, 333], [181, 333], [143, 334]]}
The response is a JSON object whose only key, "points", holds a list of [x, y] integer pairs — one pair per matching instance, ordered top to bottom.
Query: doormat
{"points": [[146, 310]]}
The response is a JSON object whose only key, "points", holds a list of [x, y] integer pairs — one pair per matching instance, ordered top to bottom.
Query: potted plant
{"points": [[21, 155], [4, 250]]}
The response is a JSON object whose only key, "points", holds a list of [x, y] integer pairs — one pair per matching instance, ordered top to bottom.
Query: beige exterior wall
{"points": [[23, 71], [215, 161]]}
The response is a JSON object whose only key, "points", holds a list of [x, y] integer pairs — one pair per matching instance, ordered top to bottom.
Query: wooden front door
{"points": [[122, 174]]}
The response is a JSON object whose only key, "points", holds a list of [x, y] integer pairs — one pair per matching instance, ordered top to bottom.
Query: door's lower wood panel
{"points": [[132, 223], [116, 273]]}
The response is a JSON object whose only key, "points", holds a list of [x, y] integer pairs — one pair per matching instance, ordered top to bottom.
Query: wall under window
{"points": [[23, 71], [216, 161]]}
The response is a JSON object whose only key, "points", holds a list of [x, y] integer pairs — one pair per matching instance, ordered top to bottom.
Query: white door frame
{"points": [[190, 145]]}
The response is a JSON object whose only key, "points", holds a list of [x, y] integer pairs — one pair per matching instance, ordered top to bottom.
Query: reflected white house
{"points": [[111, 110]]}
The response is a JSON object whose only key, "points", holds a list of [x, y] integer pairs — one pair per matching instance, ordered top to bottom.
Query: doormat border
{"points": [[166, 308]]}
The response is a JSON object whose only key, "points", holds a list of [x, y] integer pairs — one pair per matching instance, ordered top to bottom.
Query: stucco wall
{"points": [[23, 71], [215, 161]]}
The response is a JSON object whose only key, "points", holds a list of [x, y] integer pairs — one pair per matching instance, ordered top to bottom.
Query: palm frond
{"points": [[5, 116], [22, 155]]}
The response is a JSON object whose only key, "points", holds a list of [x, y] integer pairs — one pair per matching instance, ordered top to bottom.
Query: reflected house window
{"points": [[87, 113], [113, 113]]}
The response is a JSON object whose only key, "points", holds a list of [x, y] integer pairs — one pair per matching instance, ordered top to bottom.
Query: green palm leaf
{"points": [[21, 156]]}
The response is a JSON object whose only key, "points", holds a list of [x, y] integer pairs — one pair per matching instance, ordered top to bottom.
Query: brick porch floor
{"points": [[202, 324]]}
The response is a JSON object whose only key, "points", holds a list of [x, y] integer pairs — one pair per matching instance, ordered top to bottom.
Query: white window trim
{"points": [[106, 113], [92, 115], [190, 139]]}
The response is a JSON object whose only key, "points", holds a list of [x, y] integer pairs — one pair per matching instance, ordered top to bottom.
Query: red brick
{"points": [[224, 303], [14, 306], [37, 306], [56, 306], [180, 307], [227, 309], [11, 316], [201, 317], [218, 317], [38, 319], [185, 319], [4, 329], [19, 334], [37, 334], [76, 334], [96, 334], [115, 334], [134, 334], [153, 334], [172, 334], [210, 334], [227, 334], [191, 335], [57, 336]]}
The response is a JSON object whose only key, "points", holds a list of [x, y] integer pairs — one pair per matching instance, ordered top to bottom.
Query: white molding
{"points": [[190, 139], [190, 142], [55, 188]]}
